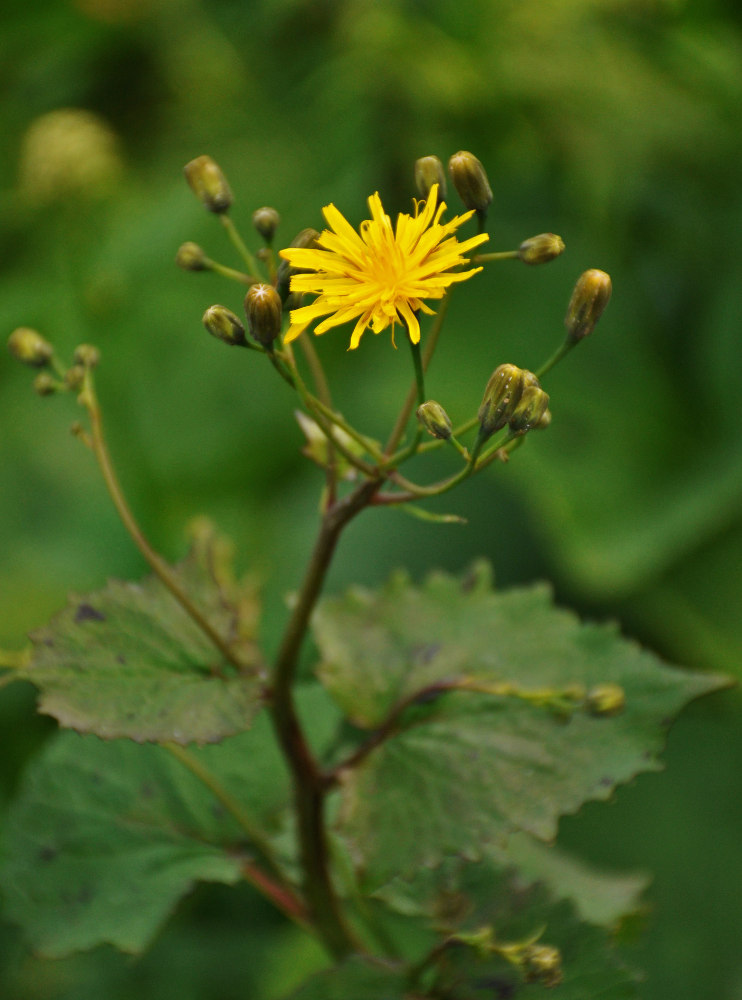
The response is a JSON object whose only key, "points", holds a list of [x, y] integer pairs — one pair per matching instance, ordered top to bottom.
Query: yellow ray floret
{"points": [[380, 275]]}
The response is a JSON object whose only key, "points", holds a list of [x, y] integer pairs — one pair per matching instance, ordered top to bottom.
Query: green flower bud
{"points": [[429, 171], [470, 180], [209, 184], [266, 222], [306, 239], [541, 249], [191, 257], [591, 295], [264, 314], [224, 325], [29, 347], [87, 356], [74, 377], [44, 384], [501, 396], [531, 407], [435, 420], [543, 422], [605, 699], [542, 963]]}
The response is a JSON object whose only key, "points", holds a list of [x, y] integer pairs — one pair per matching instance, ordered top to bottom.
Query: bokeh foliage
{"points": [[611, 122]]}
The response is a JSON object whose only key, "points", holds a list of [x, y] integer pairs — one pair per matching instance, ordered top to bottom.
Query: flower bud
{"points": [[429, 171], [470, 180], [209, 184], [266, 222], [306, 239], [541, 249], [191, 257], [591, 295], [264, 314], [224, 325], [29, 347], [87, 356], [74, 377], [44, 384], [501, 395], [531, 407], [435, 420], [543, 422], [605, 699], [542, 963]]}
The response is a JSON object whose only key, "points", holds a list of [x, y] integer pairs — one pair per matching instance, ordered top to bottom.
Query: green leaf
{"points": [[129, 661], [470, 768], [104, 838], [599, 897], [471, 899], [356, 979]]}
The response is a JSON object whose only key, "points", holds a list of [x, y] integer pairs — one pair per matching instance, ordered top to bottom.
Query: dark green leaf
{"points": [[129, 661], [471, 768], [105, 837]]}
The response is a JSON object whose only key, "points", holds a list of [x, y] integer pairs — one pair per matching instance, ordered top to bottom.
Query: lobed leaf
{"points": [[128, 661], [463, 770]]}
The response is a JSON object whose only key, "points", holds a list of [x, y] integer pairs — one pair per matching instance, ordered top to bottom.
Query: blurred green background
{"points": [[614, 123]]}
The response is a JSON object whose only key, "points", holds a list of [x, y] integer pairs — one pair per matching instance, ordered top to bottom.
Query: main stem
{"points": [[310, 786]]}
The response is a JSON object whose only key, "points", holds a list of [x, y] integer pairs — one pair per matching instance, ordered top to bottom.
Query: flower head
{"points": [[380, 275]]}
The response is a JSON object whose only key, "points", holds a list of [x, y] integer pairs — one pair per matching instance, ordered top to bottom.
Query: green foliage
{"points": [[621, 115], [130, 661], [461, 768], [105, 838]]}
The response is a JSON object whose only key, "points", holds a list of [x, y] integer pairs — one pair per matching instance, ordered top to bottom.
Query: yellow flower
{"points": [[380, 275]]}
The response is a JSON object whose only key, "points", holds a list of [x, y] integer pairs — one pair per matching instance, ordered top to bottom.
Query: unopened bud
{"points": [[429, 171], [470, 180], [209, 184], [266, 222], [306, 239], [541, 249], [191, 257], [591, 295], [264, 314], [224, 325], [29, 347], [87, 356], [74, 377], [44, 384], [501, 396], [531, 407], [435, 420], [543, 422], [605, 699], [542, 963]]}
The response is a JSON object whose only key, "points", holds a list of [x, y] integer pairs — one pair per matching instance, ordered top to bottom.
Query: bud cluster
{"points": [[513, 397]]}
